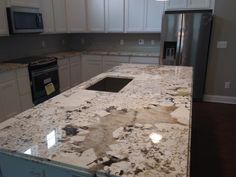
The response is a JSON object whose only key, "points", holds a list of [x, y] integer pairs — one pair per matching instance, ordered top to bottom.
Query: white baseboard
{"points": [[219, 99]]}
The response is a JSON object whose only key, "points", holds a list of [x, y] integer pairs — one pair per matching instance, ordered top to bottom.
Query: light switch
{"points": [[222, 44]]}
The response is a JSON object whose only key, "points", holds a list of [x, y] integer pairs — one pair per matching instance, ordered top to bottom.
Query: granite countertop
{"points": [[62, 55], [11, 66], [143, 130]]}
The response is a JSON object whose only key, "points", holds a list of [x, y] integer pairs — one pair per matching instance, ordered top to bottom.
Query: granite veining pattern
{"points": [[143, 130]]}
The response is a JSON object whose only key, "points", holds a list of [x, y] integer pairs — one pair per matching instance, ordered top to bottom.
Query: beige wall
{"points": [[222, 62]]}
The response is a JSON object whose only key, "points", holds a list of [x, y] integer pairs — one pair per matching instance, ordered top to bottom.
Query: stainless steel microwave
{"points": [[24, 20]]}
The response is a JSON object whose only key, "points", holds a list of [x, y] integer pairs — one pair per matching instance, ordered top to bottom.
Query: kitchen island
{"points": [[142, 130]]}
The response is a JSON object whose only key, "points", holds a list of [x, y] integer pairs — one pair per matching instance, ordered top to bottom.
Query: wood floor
{"points": [[213, 152]]}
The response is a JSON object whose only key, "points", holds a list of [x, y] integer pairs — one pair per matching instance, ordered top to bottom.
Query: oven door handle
{"points": [[43, 71]]}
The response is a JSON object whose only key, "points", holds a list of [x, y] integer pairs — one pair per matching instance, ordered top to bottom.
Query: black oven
{"points": [[24, 20], [44, 82]]}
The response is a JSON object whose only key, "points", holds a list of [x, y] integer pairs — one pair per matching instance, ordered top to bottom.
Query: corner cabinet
{"points": [[115, 10], [96, 15], [76, 16], [48, 17], [60, 18], [3, 19]]}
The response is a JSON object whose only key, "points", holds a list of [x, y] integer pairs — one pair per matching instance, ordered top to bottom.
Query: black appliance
{"points": [[24, 20], [43, 72]]}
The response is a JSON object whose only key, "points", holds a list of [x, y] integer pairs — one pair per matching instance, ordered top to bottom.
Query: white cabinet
{"points": [[25, 3], [176, 4], [190, 4], [199, 4], [59, 7], [76, 15], [96, 15], [114, 15], [134, 15], [143, 15], [153, 15], [48, 17], [3, 19], [144, 60], [112, 61], [91, 66], [75, 71], [64, 74], [24, 89], [9, 95]]}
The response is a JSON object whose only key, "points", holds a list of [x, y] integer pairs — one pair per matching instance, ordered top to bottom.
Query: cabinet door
{"points": [[25, 3], [176, 4], [199, 4], [59, 7], [76, 15], [96, 15], [115, 15], [134, 15], [153, 16], [48, 18], [3, 19], [144, 60], [112, 61], [92, 66], [75, 71], [64, 78], [9, 98]]}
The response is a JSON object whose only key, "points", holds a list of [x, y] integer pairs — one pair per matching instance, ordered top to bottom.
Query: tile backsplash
{"points": [[28, 45], [18, 46]]}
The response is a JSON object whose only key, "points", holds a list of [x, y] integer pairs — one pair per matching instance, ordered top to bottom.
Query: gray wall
{"points": [[112, 42], [28, 45], [222, 62]]}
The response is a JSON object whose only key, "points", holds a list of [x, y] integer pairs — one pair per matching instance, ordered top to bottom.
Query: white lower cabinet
{"points": [[144, 60], [112, 61], [91, 66], [75, 71], [64, 74], [9, 99]]}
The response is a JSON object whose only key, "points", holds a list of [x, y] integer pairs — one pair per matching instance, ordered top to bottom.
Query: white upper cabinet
{"points": [[25, 3], [199, 3], [176, 4], [189, 4], [76, 15], [96, 15], [114, 15], [134, 15], [153, 16], [48, 17], [60, 18], [3, 19]]}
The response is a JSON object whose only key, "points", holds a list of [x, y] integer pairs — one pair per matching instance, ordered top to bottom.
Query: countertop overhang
{"points": [[143, 130]]}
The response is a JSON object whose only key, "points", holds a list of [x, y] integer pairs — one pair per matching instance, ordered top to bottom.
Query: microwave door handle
{"points": [[39, 20]]}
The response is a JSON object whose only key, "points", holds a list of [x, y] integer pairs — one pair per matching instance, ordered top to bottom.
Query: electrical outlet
{"points": [[82, 41], [141, 41], [63, 42], [122, 42], [153, 42], [43, 43], [222, 44], [227, 85]]}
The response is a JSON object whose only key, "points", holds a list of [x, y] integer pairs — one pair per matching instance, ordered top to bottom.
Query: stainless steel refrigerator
{"points": [[185, 40]]}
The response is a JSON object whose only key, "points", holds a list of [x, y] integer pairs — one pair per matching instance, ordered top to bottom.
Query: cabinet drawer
{"points": [[75, 59], [118, 59], [144, 60], [63, 62], [7, 76]]}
